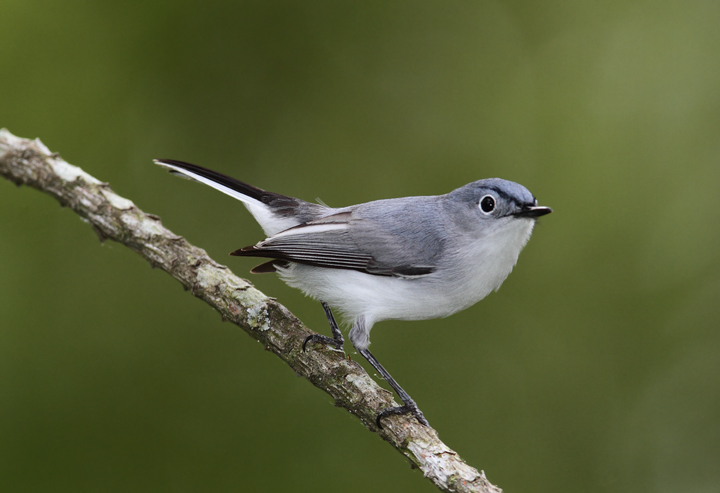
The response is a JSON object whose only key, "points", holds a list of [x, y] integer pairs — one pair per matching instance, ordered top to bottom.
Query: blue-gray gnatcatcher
{"points": [[412, 258]]}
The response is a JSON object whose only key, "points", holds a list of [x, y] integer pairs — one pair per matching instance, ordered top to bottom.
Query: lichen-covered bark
{"points": [[28, 162]]}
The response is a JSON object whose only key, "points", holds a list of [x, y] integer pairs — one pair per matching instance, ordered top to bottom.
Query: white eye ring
{"points": [[487, 204]]}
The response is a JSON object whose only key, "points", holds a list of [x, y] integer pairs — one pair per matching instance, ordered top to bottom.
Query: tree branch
{"points": [[27, 162]]}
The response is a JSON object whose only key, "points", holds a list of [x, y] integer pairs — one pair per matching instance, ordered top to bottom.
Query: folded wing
{"points": [[329, 243]]}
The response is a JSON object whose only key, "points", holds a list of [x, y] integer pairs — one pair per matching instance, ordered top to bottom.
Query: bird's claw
{"points": [[323, 339], [399, 410]]}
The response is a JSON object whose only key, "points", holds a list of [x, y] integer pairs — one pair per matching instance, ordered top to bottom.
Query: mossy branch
{"points": [[29, 162]]}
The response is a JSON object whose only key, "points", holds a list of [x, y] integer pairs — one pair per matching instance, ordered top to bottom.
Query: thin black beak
{"points": [[533, 211]]}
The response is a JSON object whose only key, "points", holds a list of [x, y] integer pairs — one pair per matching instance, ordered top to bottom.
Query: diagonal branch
{"points": [[28, 162]]}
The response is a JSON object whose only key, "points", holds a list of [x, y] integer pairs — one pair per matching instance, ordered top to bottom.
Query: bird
{"points": [[409, 258]]}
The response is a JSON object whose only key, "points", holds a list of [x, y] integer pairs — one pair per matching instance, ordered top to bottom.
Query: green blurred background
{"points": [[595, 368]]}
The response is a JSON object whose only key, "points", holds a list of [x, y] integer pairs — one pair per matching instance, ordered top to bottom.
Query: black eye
{"points": [[487, 204]]}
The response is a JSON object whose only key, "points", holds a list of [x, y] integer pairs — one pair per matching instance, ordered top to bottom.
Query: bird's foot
{"points": [[337, 344], [399, 410]]}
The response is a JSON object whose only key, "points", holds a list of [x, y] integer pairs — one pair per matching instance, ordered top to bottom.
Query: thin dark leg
{"points": [[337, 335], [337, 338], [408, 407]]}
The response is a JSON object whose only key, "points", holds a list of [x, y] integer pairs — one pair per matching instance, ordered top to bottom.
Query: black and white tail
{"points": [[274, 212]]}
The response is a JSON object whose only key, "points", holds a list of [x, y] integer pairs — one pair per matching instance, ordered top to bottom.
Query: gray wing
{"points": [[371, 238]]}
